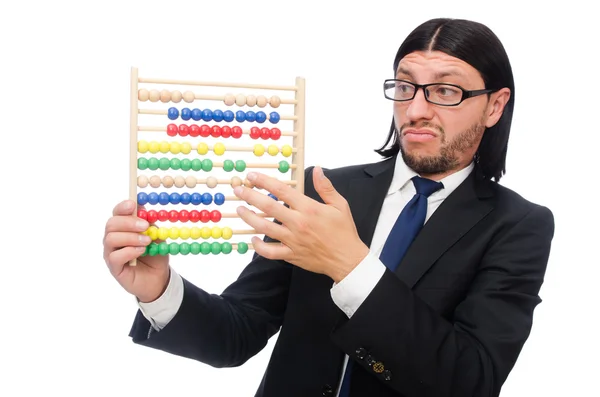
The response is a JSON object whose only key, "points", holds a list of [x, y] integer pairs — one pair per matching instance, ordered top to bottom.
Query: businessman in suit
{"points": [[417, 275]]}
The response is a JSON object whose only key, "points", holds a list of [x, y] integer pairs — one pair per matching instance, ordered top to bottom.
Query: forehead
{"points": [[428, 66]]}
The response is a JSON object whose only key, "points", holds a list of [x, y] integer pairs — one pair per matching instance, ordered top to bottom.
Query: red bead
{"points": [[172, 130], [184, 130], [194, 130], [204, 131], [216, 131], [226, 131], [236, 132], [254, 132], [265, 133], [275, 133], [142, 214], [163, 215], [184, 215], [152, 216], [173, 216], [194, 216], [204, 216], [215, 216]]}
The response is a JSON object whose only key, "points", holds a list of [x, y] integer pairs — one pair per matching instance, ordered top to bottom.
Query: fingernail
{"points": [[321, 173], [251, 176], [238, 190], [142, 224], [144, 239]]}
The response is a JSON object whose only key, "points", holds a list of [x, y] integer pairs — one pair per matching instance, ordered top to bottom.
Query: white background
{"points": [[64, 118]]}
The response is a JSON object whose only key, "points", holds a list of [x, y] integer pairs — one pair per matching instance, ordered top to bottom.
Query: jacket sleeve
{"points": [[398, 338]]}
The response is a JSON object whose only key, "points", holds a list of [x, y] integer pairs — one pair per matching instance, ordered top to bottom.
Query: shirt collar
{"points": [[403, 174]]}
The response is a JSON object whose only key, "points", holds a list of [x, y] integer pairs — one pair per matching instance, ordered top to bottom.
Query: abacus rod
{"points": [[216, 84], [219, 98], [162, 112], [133, 129], [164, 129], [298, 141], [196, 182]]}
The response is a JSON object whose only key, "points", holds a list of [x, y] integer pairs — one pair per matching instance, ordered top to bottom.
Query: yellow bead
{"points": [[143, 146], [153, 147], [164, 147], [175, 147], [186, 148], [202, 148], [219, 149], [259, 150], [273, 150], [286, 150], [152, 232], [206, 232], [216, 232], [163, 233], [174, 233], [184, 233], [195, 233], [227, 233]]}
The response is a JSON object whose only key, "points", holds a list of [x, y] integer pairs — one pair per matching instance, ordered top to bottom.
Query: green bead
{"points": [[142, 163], [153, 163], [164, 164], [175, 164], [186, 164], [197, 164], [207, 165], [228, 165], [240, 165], [284, 166], [226, 247], [163, 248], [173, 248], [184, 248], [195, 248], [205, 248], [215, 248], [242, 248], [153, 249]]}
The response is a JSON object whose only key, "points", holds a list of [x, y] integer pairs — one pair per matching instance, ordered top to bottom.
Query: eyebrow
{"points": [[437, 76]]}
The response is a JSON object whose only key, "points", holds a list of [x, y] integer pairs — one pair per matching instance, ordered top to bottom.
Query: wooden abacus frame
{"points": [[298, 117]]}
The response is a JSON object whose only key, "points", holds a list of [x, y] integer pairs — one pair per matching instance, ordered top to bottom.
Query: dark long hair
{"points": [[478, 46]]}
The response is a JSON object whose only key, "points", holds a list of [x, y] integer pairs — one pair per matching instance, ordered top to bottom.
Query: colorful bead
{"points": [[172, 113], [186, 114], [196, 114], [207, 115], [217, 115], [228, 116], [240, 116], [250, 116], [261, 117], [274, 117], [236, 132], [254, 132], [143, 146], [164, 146], [153, 147], [202, 148], [219, 149], [259, 150], [273, 150], [286, 150], [207, 165], [228, 165], [240, 165], [284, 166], [219, 198], [227, 233], [242, 247], [205, 248], [215, 248], [226, 248]]}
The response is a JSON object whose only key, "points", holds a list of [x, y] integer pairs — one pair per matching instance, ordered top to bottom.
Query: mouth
{"points": [[419, 135]]}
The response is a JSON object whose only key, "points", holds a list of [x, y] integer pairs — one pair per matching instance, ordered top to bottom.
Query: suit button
{"points": [[360, 353], [387, 374], [327, 390]]}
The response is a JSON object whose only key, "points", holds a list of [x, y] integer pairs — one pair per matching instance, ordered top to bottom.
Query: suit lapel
{"points": [[459, 212]]}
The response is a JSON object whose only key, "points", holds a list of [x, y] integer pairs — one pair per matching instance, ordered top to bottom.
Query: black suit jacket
{"points": [[450, 321]]}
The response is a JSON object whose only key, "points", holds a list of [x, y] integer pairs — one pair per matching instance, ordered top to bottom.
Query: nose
{"points": [[419, 108]]}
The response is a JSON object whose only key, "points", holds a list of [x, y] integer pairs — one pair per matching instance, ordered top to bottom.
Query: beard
{"points": [[449, 157]]}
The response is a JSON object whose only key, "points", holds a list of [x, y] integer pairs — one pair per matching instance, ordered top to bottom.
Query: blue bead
{"points": [[173, 113], [186, 114], [197, 114], [207, 115], [217, 115], [228, 116], [240, 116], [250, 116], [261, 117], [274, 117], [273, 196], [142, 198], [153, 198], [163, 198], [174, 198], [185, 198], [196, 198], [206, 198], [219, 198]]}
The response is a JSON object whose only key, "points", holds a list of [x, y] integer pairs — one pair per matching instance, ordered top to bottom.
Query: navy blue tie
{"points": [[406, 228]]}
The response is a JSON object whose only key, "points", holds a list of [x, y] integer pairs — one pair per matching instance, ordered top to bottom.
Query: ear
{"points": [[498, 101]]}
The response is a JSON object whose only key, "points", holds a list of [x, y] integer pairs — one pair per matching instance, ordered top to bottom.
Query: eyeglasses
{"points": [[436, 93]]}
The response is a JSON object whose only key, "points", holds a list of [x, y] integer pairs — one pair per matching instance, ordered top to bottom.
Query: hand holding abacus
{"points": [[317, 237]]}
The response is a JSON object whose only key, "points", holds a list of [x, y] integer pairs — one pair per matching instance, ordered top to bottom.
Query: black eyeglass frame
{"points": [[466, 94]]}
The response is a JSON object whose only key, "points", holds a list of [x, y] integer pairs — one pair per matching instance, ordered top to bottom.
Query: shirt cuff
{"points": [[352, 291], [163, 309]]}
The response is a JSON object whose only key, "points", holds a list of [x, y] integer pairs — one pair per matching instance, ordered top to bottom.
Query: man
{"points": [[414, 276]]}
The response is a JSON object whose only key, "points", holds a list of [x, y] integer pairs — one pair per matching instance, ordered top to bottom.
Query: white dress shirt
{"points": [[349, 293]]}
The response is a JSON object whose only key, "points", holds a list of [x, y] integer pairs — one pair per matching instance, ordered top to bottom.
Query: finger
{"points": [[326, 190], [282, 191], [264, 203], [126, 207], [126, 224], [262, 225], [116, 240], [271, 250], [116, 260]]}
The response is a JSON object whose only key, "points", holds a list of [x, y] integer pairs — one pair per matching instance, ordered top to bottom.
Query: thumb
{"points": [[325, 188]]}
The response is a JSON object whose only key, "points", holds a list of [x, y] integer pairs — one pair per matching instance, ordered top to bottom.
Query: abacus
{"points": [[180, 157]]}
